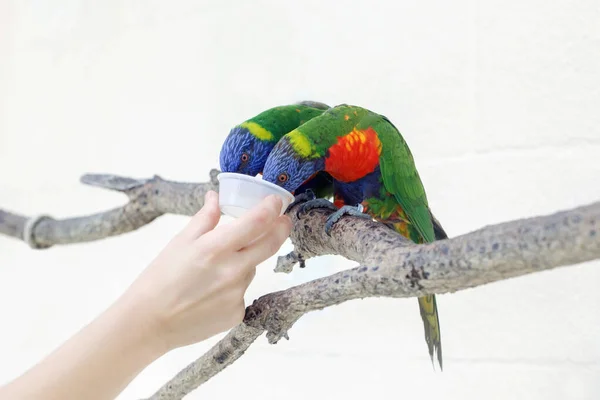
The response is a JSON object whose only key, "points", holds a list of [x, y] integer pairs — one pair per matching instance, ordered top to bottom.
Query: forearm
{"points": [[192, 290], [98, 362]]}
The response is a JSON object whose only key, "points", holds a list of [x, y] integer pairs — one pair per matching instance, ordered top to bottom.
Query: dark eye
{"points": [[245, 157], [282, 178]]}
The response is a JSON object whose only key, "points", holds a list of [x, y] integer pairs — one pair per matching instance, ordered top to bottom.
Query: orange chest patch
{"points": [[355, 155]]}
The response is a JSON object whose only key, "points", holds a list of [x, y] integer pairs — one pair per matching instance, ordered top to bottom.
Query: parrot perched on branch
{"points": [[248, 144], [374, 173]]}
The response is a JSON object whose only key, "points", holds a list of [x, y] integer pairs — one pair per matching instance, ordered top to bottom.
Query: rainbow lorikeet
{"points": [[248, 144], [373, 169]]}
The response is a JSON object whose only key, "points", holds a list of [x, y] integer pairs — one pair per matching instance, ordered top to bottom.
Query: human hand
{"points": [[195, 287]]}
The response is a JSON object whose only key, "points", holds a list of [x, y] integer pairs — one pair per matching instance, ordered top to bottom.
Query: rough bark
{"points": [[148, 200], [390, 265], [221, 355]]}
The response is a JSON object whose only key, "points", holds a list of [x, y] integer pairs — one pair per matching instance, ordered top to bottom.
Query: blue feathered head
{"points": [[244, 153], [287, 168]]}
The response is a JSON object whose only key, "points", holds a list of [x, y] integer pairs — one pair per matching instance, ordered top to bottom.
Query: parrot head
{"points": [[248, 144], [244, 152], [292, 162]]}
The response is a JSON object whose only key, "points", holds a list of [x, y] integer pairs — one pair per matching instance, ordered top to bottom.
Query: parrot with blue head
{"points": [[248, 144], [374, 177]]}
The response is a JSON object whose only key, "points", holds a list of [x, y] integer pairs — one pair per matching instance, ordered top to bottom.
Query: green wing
{"points": [[399, 173], [400, 178]]}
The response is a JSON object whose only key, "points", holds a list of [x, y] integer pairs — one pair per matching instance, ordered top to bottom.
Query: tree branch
{"points": [[148, 200], [391, 266], [220, 356]]}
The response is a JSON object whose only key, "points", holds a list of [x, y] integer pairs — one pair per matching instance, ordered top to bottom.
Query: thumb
{"points": [[206, 219]]}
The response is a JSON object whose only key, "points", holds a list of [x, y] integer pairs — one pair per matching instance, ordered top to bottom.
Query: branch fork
{"points": [[389, 264]]}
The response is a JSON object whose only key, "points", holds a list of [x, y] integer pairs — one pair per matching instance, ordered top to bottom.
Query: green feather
{"points": [[283, 119], [323, 131], [398, 170], [399, 173]]}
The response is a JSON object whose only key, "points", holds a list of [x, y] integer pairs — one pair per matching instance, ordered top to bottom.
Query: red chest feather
{"points": [[355, 155]]}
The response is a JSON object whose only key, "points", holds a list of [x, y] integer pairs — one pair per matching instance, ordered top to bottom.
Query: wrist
{"points": [[136, 314]]}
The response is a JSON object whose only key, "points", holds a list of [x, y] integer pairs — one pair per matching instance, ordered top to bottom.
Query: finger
{"points": [[206, 219], [248, 227], [267, 245]]}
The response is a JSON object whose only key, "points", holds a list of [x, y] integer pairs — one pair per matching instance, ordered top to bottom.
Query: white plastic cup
{"points": [[238, 193]]}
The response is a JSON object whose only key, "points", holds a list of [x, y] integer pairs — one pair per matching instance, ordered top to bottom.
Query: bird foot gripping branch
{"points": [[303, 197], [305, 202], [354, 211]]}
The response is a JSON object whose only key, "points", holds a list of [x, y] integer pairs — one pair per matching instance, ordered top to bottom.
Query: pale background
{"points": [[499, 103]]}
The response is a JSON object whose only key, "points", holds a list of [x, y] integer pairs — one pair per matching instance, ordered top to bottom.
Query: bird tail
{"points": [[431, 323]]}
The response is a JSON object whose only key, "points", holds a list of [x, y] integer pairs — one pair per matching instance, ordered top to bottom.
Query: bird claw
{"points": [[303, 197], [315, 203], [354, 211]]}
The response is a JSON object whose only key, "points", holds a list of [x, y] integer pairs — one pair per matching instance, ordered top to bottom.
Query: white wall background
{"points": [[498, 101]]}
